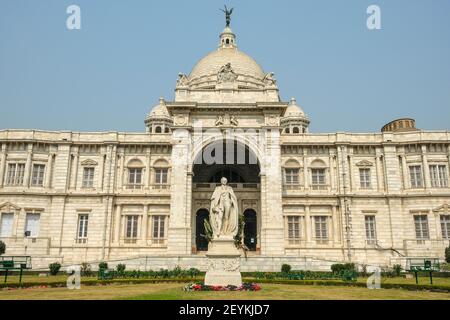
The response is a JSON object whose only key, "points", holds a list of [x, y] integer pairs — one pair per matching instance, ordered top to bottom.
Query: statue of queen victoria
{"points": [[224, 213]]}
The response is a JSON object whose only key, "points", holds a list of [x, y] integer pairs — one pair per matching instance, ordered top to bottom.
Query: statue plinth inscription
{"points": [[223, 264]]}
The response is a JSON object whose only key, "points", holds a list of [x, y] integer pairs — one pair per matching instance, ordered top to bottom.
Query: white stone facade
{"points": [[373, 198]]}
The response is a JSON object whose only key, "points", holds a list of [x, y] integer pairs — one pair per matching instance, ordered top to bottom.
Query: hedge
{"points": [[94, 282]]}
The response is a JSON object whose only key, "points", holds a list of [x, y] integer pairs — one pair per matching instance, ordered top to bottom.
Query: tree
{"points": [[2, 248], [447, 254]]}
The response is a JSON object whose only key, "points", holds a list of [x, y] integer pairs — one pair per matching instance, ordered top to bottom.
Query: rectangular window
{"points": [[16, 172], [415, 173], [438, 175], [135, 176], [161, 176], [291, 176], [37, 177], [88, 177], [364, 178], [318, 181], [83, 220], [6, 224], [32, 224], [421, 226], [445, 226], [132, 227], [158, 227], [321, 227], [293, 228], [371, 231]]}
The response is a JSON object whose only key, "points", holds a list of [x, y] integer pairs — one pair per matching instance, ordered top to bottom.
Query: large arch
{"points": [[243, 171]]}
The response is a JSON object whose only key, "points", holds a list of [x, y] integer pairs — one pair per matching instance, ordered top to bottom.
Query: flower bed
{"points": [[203, 287]]}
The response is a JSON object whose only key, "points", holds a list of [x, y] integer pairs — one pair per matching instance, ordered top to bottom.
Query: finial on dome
{"points": [[228, 14], [162, 101], [293, 101]]}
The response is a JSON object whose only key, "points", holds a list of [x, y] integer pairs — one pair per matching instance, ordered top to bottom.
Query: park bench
{"points": [[14, 263], [417, 265]]}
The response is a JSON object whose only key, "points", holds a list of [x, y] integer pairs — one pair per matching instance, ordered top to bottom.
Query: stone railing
{"points": [[211, 186]]}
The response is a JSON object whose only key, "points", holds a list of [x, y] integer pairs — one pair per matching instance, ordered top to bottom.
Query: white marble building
{"points": [[308, 198]]}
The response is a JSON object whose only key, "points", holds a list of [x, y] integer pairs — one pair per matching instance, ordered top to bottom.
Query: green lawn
{"points": [[63, 278], [173, 291]]}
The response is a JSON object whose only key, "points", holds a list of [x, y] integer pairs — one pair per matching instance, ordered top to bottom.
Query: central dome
{"points": [[241, 63], [205, 72]]}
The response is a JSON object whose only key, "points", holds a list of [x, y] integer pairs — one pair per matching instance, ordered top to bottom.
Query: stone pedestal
{"points": [[223, 264]]}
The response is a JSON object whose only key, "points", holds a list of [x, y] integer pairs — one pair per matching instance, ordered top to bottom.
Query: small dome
{"points": [[293, 110], [160, 111]]}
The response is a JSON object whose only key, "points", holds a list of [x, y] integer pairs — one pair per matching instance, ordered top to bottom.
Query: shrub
{"points": [[2, 247], [447, 254], [102, 266], [445, 266], [339, 267], [54, 268], [121, 268], [286, 268], [86, 269], [364, 270], [397, 270], [193, 272]]}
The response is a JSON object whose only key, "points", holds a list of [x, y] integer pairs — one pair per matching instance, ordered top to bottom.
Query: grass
{"points": [[62, 278], [123, 289], [173, 291]]}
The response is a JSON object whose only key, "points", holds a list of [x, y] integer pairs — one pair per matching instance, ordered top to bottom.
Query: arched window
{"points": [[158, 129], [167, 130], [287, 130], [296, 130], [161, 168], [135, 169], [292, 174], [318, 175]]}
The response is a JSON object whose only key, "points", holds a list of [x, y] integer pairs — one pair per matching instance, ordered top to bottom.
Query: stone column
{"points": [[447, 157], [2, 164], [28, 168], [61, 168], [391, 168], [426, 169], [305, 170], [48, 171], [74, 171], [101, 172], [121, 172], [332, 173], [351, 173], [148, 174], [407, 182], [380, 183], [335, 220], [117, 224], [145, 225], [308, 225], [274, 228], [330, 228], [179, 238]]}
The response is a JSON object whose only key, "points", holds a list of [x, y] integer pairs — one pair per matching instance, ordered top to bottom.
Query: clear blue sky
{"points": [[108, 75]]}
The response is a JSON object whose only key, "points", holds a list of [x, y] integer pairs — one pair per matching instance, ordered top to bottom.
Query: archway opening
{"points": [[238, 163], [250, 229], [200, 241]]}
